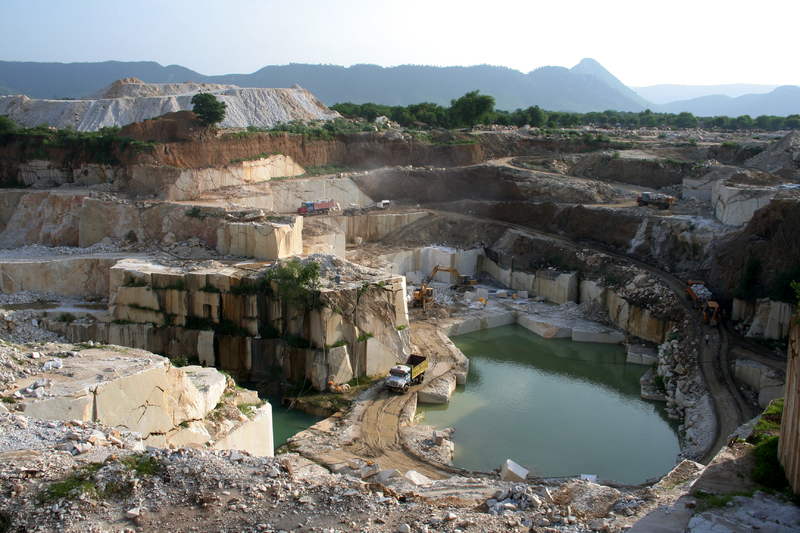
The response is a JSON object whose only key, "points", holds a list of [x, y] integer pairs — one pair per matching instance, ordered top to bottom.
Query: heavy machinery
{"points": [[661, 201], [383, 204], [317, 206], [462, 282], [697, 292], [423, 296], [710, 313], [403, 376]]}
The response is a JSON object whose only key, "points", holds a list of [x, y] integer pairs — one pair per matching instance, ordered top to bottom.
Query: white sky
{"points": [[697, 42]]}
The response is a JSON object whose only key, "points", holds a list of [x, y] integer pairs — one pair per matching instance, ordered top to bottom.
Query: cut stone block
{"points": [[513, 472], [415, 478]]}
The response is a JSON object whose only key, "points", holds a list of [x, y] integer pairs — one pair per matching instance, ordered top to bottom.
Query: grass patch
{"points": [[364, 336], [336, 344], [8, 399], [248, 409], [769, 425], [142, 464], [768, 470], [79, 482], [709, 501]]}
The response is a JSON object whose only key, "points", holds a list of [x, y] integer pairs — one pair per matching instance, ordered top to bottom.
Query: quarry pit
{"points": [[176, 250]]}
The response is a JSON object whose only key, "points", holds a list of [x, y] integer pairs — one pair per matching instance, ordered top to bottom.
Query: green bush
{"points": [[66, 317]]}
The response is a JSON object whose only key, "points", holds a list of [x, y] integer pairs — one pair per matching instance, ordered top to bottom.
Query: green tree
{"points": [[472, 108], [208, 109], [538, 117], [686, 120], [763, 121], [744, 122], [7, 124]]}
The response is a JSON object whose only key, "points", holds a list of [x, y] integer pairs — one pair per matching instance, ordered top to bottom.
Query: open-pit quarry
{"points": [[114, 276]]}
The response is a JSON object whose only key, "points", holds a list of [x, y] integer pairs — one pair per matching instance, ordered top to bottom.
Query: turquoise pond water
{"points": [[557, 407], [286, 424]]}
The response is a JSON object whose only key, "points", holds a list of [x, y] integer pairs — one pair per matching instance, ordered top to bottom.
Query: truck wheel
{"points": [[642, 204], [421, 378], [405, 389]]}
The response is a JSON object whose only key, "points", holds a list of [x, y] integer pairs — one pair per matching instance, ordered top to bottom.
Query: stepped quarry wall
{"points": [[226, 319], [789, 443]]}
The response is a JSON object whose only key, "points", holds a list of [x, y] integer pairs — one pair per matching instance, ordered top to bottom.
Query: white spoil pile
{"points": [[131, 100]]}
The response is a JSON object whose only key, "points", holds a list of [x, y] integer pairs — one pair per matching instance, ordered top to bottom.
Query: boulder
{"points": [[415, 478]]}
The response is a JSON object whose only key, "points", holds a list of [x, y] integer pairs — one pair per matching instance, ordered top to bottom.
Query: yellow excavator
{"points": [[424, 295]]}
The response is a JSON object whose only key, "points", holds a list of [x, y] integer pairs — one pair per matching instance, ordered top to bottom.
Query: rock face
{"points": [[130, 100], [781, 158], [225, 316], [140, 392]]}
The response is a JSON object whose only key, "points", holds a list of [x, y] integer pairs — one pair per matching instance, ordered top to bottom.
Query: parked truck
{"points": [[661, 201], [317, 206], [697, 292], [401, 377]]}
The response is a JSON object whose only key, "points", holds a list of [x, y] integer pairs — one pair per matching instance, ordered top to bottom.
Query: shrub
{"points": [[66, 317], [197, 322]]}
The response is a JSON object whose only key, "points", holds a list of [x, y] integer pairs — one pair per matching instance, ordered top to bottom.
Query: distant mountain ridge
{"points": [[585, 87], [668, 93]]}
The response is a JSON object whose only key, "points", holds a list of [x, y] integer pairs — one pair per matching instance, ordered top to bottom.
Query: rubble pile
{"points": [[331, 266], [646, 291], [593, 311], [22, 327], [684, 391]]}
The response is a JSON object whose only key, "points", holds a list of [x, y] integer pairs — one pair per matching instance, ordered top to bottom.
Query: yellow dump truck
{"points": [[401, 377]]}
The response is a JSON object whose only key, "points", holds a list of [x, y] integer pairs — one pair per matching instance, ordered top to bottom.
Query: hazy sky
{"points": [[697, 42]]}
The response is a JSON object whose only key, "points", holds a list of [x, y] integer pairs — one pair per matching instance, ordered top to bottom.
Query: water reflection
{"points": [[559, 408]]}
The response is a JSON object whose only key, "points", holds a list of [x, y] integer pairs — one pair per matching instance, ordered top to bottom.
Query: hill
{"points": [[583, 88], [666, 93], [781, 101]]}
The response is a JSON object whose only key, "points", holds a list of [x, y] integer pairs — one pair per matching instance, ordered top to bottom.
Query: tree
{"points": [[208, 109], [471, 109], [537, 116], [686, 120], [7, 124]]}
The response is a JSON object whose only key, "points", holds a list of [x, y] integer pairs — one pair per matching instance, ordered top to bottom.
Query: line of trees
{"points": [[474, 108], [471, 109]]}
